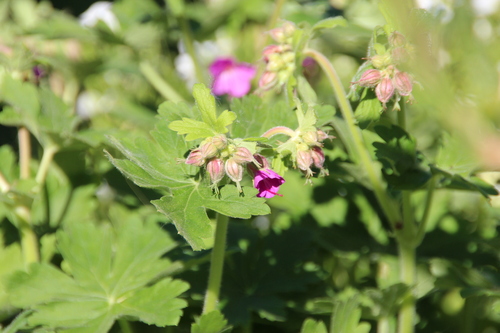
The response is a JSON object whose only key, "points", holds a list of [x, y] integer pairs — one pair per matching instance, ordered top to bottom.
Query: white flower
{"points": [[100, 11]]}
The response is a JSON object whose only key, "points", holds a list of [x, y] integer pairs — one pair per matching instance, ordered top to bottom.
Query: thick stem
{"points": [[158, 83], [360, 150], [24, 152], [43, 169], [425, 217], [29, 241], [216, 264], [407, 273], [386, 325], [125, 326]]}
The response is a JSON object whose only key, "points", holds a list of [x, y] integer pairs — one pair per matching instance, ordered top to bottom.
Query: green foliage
{"points": [[109, 275], [212, 322]]}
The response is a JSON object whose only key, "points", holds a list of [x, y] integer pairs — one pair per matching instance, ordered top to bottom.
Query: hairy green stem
{"points": [[159, 84], [360, 149], [24, 152], [47, 157], [425, 217], [29, 241], [216, 264], [407, 274], [125, 326]]}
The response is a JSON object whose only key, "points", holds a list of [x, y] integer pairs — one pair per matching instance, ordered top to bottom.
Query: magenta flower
{"points": [[231, 77], [267, 182]]}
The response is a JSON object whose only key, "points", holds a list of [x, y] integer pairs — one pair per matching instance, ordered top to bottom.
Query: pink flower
{"points": [[231, 77], [266, 181]]}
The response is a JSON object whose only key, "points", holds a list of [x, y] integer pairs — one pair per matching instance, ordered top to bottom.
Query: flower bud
{"points": [[288, 28], [278, 34], [396, 39], [271, 49], [400, 55], [288, 57], [381, 61], [275, 64], [370, 78], [268, 80], [402, 83], [384, 90], [322, 135], [310, 138], [219, 141], [208, 149], [242, 155], [318, 157], [195, 158], [304, 159], [215, 168], [234, 170]]}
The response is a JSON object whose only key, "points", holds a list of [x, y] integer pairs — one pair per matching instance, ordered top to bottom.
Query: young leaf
{"points": [[329, 23], [206, 104], [368, 112], [225, 119], [193, 128], [110, 276], [212, 322], [312, 326]]}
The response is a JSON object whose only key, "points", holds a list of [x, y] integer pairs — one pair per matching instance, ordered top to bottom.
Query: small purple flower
{"points": [[231, 77], [267, 182]]}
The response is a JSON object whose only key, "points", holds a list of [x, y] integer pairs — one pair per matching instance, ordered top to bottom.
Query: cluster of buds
{"points": [[279, 58], [385, 77], [310, 152], [221, 157]]}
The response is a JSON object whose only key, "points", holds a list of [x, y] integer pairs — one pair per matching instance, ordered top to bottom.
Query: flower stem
{"points": [[188, 43], [159, 84], [279, 130], [360, 149], [24, 152], [48, 156], [4, 184], [425, 217], [29, 241], [216, 264], [407, 273], [125, 326]]}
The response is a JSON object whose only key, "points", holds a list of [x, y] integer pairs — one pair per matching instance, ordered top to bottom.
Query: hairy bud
{"points": [[278, 34], [396, 39], [381, 61], [370, 78], [268, 80], [402, 83], [384, 90], [311, 138], [219, 141], [242, 155], [318, 157], [196, 158], [304, 159], [215, 168], [234, 170]]}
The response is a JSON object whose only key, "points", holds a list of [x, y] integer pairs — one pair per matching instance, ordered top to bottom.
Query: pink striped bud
{"points": [[288, 28], [278, 34], [396, 39], [272, 49], [381, 61], [370, 78], [268, 80], [402, 83], [384, 90], [322, 135], [208, 149], [242, 155], [318, 157], [195, 158], [304, 159], [215, 168], [234, 170]]}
